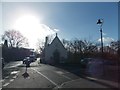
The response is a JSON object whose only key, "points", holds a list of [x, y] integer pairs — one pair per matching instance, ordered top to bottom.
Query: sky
{"points": [[70, 20]]}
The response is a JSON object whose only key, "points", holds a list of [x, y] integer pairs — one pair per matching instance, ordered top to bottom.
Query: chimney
{"points": [[46, 41]]}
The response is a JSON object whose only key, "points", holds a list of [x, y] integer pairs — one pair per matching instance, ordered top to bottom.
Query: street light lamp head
{"points": [[100, 21]]}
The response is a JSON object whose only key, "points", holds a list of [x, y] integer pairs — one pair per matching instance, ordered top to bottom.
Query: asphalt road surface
{"points": [[43, 76]]}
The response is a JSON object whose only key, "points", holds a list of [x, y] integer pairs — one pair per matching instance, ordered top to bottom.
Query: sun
{"points": [[26, 22], [29, 26], [32, 28]]}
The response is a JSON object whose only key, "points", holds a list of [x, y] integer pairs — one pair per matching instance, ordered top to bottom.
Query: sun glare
{"points": [[26, 22], [28, 25], [32, 28]]}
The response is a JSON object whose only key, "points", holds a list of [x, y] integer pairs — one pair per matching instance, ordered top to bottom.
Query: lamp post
{"points": [[100, 23]]}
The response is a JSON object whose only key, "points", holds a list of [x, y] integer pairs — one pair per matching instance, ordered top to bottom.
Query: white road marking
{"points": [[16, 65], [15, 72], [59, 72], [6, 77], [15, 77], [46, 78], [91, 78], [2, 80], [11, 80], [6, 84]]}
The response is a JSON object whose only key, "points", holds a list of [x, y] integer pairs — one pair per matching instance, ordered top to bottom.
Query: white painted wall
{"points": [[49, 50]]}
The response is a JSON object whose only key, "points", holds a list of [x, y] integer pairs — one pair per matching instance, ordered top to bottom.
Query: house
{"points": [[55, 51]]}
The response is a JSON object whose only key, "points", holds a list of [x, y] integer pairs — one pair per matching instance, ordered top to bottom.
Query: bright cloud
{"points": [[56, 30], [39, 32], [104, 34], [106, 40]]}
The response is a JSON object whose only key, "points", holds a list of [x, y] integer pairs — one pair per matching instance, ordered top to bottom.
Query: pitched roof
{"points": [[56, 38]]}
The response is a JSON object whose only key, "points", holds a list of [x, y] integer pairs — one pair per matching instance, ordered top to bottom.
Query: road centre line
{"points": [[46, 77]]}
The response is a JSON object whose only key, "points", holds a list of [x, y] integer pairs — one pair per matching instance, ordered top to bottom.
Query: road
{"points": [[43, 76]]}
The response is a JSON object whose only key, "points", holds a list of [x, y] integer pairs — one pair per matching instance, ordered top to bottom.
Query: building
{"points": [[54, 52]]}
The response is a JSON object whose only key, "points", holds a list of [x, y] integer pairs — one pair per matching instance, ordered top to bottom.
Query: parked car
{"points": [[32, 58], [24, 60], [27, 61]]}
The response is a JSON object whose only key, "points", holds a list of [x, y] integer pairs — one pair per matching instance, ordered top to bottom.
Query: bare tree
{"points": [[15, 38], [66, 44], [40, 45], [79, 45], [115, 45]]}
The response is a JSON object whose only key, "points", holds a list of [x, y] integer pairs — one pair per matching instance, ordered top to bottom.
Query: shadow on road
{"points": [[25, 75]]}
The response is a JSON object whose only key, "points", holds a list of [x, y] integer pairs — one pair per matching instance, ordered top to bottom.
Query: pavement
{"points": [[109, 75], [110, 79], [78, 83], [81, 83]]}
